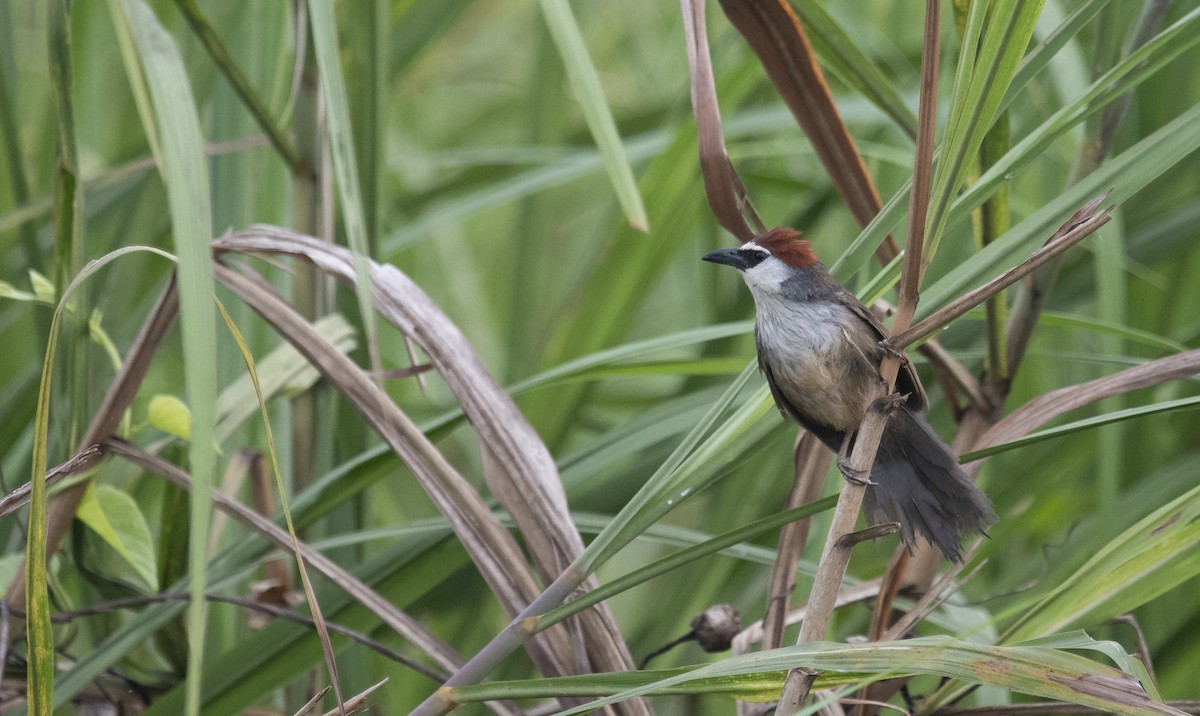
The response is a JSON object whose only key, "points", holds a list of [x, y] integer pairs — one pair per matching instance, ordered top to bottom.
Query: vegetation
{"points": [[548, 358]]}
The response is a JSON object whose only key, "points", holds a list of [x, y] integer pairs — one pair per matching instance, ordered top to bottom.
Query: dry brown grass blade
{"points": [[775, 35], [724, 189], [1081, 224], [914, 260], [1037, 412], [810, 462], [524, 479], [61, 510], [494, 551], [403, 624], [358, 703]]}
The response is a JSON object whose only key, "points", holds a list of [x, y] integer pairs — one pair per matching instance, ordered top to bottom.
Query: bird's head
{"points": [[769, 260]]}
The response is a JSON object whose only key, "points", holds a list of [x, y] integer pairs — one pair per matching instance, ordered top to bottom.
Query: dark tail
{"points": [[920, 485]]}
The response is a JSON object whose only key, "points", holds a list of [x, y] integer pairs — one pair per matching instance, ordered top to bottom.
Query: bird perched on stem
{"points": [[820, 350]]}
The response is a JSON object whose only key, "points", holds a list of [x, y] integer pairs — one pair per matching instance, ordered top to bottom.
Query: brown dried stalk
{"points": [[776, 36], [722, 185], [810, 461], [491, 547], [832, 568]]}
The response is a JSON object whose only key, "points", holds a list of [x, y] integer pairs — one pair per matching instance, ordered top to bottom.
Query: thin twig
{"points": [[80, 462], [873, 532], [849, 594], [935, 596], [272, 610], [1143, 648], [358, 702], [312, 703]]}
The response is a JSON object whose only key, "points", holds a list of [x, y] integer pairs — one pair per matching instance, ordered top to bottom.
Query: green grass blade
{"points": [[1043, 52], [979, 89], [590, 94], [337, 108], [185, 172], [1126, 174], [1110, 418], [696, 462], [1158, 553], [686, 556], [1034, 670]]}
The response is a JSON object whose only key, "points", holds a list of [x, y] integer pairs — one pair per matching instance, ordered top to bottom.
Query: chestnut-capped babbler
{"points": [[820, 350]]}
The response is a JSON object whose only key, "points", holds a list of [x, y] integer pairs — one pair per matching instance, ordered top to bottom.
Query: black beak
{"points": [[737, 258]]}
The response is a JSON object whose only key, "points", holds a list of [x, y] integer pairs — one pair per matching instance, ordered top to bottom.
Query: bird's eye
{"points": [[752, 257]]}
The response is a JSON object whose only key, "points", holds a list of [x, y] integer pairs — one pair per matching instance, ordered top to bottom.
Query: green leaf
{"points": [[43, 288], [170, 415], [115, 516]]}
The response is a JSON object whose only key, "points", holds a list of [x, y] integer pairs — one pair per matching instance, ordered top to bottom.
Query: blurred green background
{"points": [[481, 181]]}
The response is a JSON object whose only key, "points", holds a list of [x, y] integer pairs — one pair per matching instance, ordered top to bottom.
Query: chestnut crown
{"points": [[785, 244]]}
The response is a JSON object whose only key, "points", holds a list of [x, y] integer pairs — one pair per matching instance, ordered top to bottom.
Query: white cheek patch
{"points": [[767, 276]]}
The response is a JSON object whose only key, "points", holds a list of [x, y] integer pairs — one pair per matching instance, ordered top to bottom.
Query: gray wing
{"points": [[907, 381]]}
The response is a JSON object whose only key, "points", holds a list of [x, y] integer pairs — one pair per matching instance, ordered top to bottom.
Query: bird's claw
{"points": [[891, 351], [890, 402], [852, 474]]}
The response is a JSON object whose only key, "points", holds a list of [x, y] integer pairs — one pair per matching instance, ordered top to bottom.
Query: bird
{"points": [[820, 348]]}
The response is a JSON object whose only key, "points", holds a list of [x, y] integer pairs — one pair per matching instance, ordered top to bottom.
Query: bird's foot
{"points": [[892, 351], [888, 403], [852, 474]]}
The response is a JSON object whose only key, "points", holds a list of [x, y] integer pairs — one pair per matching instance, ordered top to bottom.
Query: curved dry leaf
{"points": [[774, 33], [724, 189], [1039, 411], [521, 475], [492, 549]]}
